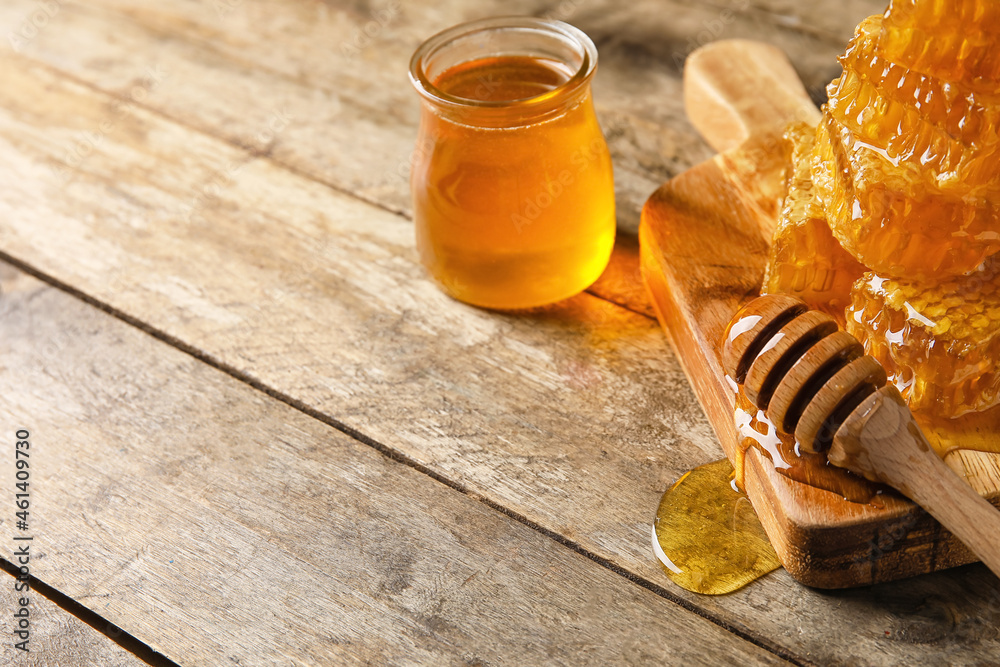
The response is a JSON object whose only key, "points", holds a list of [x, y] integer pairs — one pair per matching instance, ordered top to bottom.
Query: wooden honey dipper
{"points": [[815, 382]]}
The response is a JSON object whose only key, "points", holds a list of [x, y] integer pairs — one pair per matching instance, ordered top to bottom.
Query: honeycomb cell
{"points": [[947, 15], [953, 40], [950, 135], [906, 163], [890, 220], [806, 260], [940, 345]]}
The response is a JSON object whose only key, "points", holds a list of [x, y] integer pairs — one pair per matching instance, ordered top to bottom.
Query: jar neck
{"points": [[564, 47], [507, 117]]}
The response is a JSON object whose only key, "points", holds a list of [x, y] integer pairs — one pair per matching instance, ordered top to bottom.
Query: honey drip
{"points": [[904, 172], [900, 179], [940, 346], [757, 431], [976, 431], [706, 535]]}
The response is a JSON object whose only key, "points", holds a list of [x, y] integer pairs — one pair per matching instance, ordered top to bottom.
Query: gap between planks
{"points": [[208, 132], [267, 157], [386, 451], [391, 454], [104, 627]]}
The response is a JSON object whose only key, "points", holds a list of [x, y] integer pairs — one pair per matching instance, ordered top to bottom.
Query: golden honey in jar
{"points": [[513, 193]]}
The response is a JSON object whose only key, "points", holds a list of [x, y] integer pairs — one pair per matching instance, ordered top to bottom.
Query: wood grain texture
{"points": [[238, 68], [723, 84], [703, 257], [321, 297], [576, 417], [869, 429], [881, 440], [220, 525], [57, 637]]}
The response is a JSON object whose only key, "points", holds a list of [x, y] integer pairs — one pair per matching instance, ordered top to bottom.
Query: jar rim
{"points": [[427, 89]]}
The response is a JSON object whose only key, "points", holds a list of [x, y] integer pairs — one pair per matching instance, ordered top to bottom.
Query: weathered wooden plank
{"points": [[825, 20], [332, 76], [575, 416], [220, 525], [56, 636]]}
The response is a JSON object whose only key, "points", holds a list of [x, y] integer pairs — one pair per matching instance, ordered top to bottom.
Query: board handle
{"points": [[737, 88]]}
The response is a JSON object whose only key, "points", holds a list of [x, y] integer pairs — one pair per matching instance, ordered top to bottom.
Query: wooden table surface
{"points": [[261, 436]]}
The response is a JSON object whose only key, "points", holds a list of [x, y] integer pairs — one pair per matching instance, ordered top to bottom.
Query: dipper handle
{"points": [[815, 382]]}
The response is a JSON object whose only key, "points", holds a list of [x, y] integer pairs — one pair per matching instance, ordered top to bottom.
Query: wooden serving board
{"points": [[704, 242]]}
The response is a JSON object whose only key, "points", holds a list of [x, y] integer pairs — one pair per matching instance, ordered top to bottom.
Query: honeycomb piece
{"points": [[947, 16], [954, 40], [950, 134], [760, 170], [889, 219], [805, 260], [939, 345]]}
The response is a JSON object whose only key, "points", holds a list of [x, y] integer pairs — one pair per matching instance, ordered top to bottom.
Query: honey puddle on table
{"points": [[707, 535]]}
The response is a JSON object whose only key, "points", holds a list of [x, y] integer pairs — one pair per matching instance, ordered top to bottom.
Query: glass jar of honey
{"points": [[513, 192]]}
